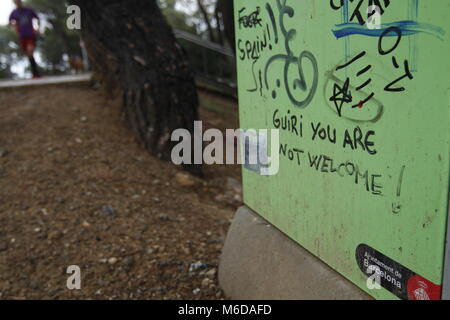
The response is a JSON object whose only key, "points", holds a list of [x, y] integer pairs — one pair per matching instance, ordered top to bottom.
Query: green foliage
{"points": [[185, 15], [176, 18], [56, 41], [9, 51]]}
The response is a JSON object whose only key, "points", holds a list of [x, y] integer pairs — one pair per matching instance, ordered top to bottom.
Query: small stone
{"points": [[83, 119], [78, 140], [185, 179], [237, 197], [110, 211], [163, 217], [86, 224], [37, 230], [55, 235], [112, 260], [128, 263], [197, 266], [211, 273], [206, 282], [196, 291]]}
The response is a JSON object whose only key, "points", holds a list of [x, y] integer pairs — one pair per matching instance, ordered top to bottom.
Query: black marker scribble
{"points": [[272, 19], [251, 20], [254, 78], [396, 207]]}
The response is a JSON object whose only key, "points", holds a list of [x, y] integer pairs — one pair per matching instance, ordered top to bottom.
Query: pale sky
{"points": [[6, 6]]}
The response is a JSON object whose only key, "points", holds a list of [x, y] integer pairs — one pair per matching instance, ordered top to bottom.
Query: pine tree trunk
{"points": [[132, 48]]}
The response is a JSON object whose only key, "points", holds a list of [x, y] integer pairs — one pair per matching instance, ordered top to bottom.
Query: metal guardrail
{"points": [[179, 34], [203, 76]]}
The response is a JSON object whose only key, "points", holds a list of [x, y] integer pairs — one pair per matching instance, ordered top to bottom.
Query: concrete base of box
{"points": [[259, 262]]}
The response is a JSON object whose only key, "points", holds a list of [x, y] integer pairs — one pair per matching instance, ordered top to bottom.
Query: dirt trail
{"points": [[77, 189]]}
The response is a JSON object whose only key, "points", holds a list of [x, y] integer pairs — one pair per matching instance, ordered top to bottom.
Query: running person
{"points": [[22, 18]]}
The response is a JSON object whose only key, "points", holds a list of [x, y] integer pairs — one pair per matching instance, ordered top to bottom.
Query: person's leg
{"points": [[29, 52], [33, 65]]}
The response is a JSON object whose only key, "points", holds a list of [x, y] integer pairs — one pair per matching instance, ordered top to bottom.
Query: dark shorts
{"points": [[27, 42]]}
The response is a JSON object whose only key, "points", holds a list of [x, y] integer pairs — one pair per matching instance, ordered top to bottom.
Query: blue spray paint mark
{"points": [[407, 27]]}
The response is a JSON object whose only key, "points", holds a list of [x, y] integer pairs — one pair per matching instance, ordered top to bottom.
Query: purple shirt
{"points": [[24, 21]]}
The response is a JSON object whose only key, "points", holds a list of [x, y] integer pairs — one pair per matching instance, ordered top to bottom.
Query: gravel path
{"points": [[77, 189]]}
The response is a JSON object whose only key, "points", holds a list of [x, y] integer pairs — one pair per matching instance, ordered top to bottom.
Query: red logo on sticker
{"points": [[420, 288]]}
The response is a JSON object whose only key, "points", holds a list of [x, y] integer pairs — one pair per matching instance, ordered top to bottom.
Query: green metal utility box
{"points": [[359, 91]]}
